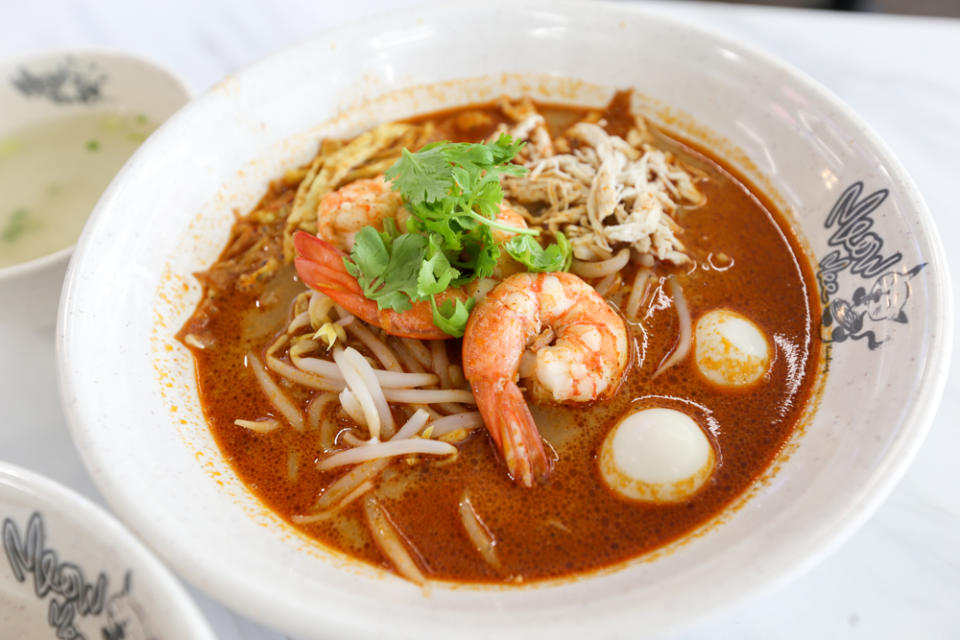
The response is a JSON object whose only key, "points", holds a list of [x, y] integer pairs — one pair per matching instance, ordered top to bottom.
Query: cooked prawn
{"points": [[340, 216], [320, 265], [585, 362]]}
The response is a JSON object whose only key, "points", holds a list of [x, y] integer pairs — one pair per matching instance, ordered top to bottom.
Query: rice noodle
{"points": [[601, 268], [604, 286], [638, 292], [319, 309], [302, 320], [281, 340], [193, 341], [376, 346], [682, 347], [419, 351], [440, 361], [409, 362], [317, 366], [362, 367], [328, 370], [303, 378], [457, 379], [360, 391], [429, 396], [276, 397], [350, 404], [450, 408], [315, 409], [434, 415], [448, 424], [265, 425], [413, 425], [328, 433], [351, 439], [389, 449], [293, 465], [348, 482], [361, 489], [389, 540], [483, 541]]}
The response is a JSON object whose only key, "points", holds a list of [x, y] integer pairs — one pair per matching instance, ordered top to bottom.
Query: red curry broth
{"points": [[572, 523]]}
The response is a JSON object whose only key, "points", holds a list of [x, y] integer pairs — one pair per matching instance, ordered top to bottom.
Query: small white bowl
{"points": [[62, 84], [133, 405], [69, 566]]}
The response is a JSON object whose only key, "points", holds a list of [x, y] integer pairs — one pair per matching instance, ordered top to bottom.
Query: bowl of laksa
{"points": [[433, 343]]}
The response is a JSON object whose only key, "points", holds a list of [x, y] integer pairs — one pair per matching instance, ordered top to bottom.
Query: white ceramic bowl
{"points": [[61, 84], [132, 402], [68, 566]]}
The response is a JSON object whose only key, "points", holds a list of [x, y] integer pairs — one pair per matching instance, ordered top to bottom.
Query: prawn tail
{"points": [[320, 266], [514, 432]]}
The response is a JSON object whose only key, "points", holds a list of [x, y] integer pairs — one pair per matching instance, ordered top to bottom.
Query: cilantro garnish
{"points": [[453, 191], [528, 252]]}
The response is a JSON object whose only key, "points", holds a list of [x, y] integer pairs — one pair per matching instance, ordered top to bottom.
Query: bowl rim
{"points": [[40, 263], [889, 469], [69, 505]]}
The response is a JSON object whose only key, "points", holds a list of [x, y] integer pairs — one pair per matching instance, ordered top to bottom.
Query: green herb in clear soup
{"points": [[52, 173]]}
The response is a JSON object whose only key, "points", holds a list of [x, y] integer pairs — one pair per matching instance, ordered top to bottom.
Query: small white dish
{"points": [[47, 86], [134, 411], [71, 570]]}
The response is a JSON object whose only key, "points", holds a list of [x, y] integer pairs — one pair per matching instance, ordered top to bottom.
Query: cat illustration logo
{"points": [[847, 320], [124, 616]]}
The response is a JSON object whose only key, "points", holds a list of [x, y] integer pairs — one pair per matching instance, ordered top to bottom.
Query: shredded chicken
{"points": [[528, 125], [606, 192]]}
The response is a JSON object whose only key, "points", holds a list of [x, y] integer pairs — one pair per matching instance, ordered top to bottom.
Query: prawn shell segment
{"points": [[341, 214], [320, 266], [590, 353], [585, 362]]}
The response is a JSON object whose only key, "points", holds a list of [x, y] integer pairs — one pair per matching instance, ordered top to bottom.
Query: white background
{"points": [[900, 575]]}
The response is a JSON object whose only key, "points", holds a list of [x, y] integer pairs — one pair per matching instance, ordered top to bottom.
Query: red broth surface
{"points": [[572, 523]]}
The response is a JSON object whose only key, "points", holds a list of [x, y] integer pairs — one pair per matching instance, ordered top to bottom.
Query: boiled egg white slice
{"points": [[729, 349], [656, 455]]}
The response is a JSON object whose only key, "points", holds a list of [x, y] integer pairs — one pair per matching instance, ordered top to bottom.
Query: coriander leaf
{"points": [[93, 145], [505, 148], [423, 176], [453, 192], [527, 251], [407, 253], [480, 253], [369, 254], [435, 272], [387, 275], [398, 301], [451, 315]]}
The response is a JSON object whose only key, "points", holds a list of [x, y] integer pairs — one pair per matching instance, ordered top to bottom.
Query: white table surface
{"points": [[900, 574]]}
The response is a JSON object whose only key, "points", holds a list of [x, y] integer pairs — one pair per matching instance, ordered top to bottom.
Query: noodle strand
{"points": [[276, 397]]}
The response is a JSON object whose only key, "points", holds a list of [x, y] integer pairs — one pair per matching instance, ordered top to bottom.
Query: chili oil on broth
{"points": [[573, 523]]}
